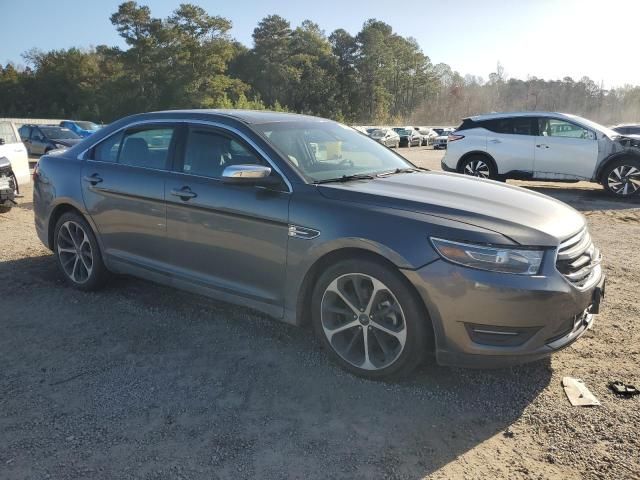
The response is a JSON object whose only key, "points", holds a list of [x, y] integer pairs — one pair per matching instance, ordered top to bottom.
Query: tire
{"points": [[478, 166], [621, 178], [5, 209], [78, 253], [396, 340]]}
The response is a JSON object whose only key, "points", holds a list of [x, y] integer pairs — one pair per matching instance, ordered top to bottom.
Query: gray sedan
{"points": [[313, 223]]}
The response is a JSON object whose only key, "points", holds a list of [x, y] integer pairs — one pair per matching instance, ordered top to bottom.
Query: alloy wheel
{"points": [[477, 168], [624, 180], [75, 252], [363, 321]]}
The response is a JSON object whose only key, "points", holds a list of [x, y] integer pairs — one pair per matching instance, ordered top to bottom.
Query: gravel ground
{"points": [[140, 381]]}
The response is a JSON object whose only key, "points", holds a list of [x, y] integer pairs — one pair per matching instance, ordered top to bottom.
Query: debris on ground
{"points": [[622, 389], [578, 393]]}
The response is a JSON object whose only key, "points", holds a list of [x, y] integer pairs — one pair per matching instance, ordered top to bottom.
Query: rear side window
{"points": [[510, 126], [24, 132], [7, 133], [147, 148]]}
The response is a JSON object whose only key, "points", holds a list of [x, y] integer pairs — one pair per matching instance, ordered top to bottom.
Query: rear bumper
{"points": [[446, 167], [488, 320]]}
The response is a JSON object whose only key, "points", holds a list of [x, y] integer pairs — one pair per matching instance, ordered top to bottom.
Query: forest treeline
{"points": [[189, 60]]}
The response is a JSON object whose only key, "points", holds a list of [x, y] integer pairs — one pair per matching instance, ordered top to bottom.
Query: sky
{"points": [[548, 39]]}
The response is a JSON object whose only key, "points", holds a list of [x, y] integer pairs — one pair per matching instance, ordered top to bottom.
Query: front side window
{"points": [[552, 127], [7, 133], [147, 148], [327, 150], [208, 153]]}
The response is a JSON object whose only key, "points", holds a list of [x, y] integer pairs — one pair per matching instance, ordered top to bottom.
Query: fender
{"points": [[633, 153]]}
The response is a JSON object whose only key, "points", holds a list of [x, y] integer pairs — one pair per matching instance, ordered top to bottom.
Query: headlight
{"points": [[495, 259]]}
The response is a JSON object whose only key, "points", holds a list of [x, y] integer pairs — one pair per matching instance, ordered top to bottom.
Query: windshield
{"points": [[88, 126], [595, 126], [404, 131], [439, 131], [58, 133], [378, 133], [327, 150]]}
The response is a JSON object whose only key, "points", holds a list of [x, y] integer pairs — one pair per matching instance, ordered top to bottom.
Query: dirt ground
{"points": [[140, 381]]}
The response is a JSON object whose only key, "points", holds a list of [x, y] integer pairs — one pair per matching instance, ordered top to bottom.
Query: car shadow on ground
{"points": [[583, 198], [142, 380]]}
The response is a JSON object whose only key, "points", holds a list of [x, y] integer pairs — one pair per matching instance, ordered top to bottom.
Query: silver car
{"points": [[313, 223]]}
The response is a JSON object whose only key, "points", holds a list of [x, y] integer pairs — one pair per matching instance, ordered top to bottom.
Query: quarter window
{"points": [[552, 127], [107, 150], [208, 153]]}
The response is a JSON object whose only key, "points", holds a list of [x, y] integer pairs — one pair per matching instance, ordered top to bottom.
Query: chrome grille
{"points": [[578, 257]]}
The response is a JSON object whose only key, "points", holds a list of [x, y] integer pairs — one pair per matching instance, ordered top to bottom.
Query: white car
{"points": [[442, 140], [545, 146], [11, 147]]}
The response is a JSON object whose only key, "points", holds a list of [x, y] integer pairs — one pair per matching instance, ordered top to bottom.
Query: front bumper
{"points": [[487, 320]]}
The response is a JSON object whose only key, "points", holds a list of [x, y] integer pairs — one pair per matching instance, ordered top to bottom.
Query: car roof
{"points": [[246, 116], [490, 116], [626, 125]]}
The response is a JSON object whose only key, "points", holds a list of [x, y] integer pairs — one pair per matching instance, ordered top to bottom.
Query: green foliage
{"points": [[189, 60]]}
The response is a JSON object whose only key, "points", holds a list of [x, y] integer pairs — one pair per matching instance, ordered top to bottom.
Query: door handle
{"points": [[495, 140], [542, 145], [93, 179], [184, 193]]}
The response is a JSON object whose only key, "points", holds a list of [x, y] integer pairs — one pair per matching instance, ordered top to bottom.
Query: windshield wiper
{"points": [[398, 170], [346, 178]]}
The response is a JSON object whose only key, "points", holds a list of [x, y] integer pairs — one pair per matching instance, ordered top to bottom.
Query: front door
{"points": [[564, 150], [123, 187], [229, 238]]}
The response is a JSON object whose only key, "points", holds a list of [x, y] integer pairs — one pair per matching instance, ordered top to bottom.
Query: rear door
{"points": [[510, 141], [564, 150], [123, 183], [227, 237]]}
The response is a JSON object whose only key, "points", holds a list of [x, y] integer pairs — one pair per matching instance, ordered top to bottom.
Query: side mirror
{"points": [[1, 141], [248, 175]]}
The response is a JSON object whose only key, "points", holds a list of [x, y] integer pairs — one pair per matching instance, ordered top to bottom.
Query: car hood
{"points": [[68, 142], [523, 216]]}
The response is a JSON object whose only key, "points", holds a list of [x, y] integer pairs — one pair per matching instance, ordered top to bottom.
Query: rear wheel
{"points": [[478, 166], [622, 177], [78, 253], [368, 319]]}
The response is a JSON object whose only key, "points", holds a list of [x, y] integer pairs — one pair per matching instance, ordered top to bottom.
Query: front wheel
{"points": [[478, 166], [622, 177], [369, 320]]}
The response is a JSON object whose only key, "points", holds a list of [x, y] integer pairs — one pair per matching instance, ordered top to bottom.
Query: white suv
{"points": [[544, 146]]}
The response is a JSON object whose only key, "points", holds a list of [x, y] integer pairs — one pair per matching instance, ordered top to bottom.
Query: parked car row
{"points": [[408, 136], [41, 139]]}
